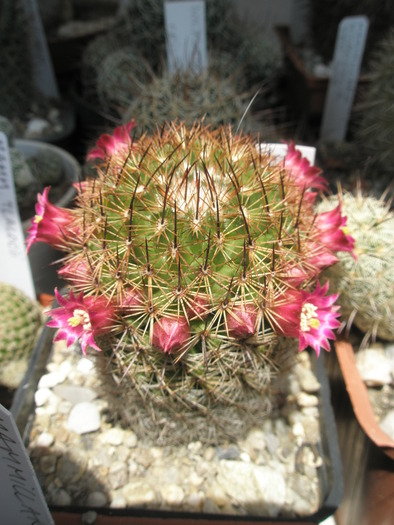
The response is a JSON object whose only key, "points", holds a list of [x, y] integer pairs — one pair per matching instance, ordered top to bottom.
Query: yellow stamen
{"points": [[38, 218], [80, 317], [309, 318]]}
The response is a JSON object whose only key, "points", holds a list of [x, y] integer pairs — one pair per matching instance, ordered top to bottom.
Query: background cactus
{"points": [[375, 128], [187, 255], [366, 284], [20, 321]]}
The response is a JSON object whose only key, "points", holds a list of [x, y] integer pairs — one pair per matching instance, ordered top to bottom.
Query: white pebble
{"points": [[85, 366], [51, 379], [83, 418], [45, 440], [96, 499]]}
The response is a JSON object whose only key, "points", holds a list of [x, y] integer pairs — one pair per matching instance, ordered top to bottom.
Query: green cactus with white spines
{"points": [[366, 284]]}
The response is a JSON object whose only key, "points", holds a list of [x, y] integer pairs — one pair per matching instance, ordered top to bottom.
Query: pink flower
{"points": [[107, 145], [302, 172], [50, 224], [331, 230], [77, 272], [132, 301], [198, 307], [310, 317], [82, 319], [241, 321], [170, 334]]}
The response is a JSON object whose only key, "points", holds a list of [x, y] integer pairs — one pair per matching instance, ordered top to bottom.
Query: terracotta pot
{"points": [[359, 398]]}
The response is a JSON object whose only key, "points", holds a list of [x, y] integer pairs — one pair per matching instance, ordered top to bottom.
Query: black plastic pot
{"points": [[331, 479]]}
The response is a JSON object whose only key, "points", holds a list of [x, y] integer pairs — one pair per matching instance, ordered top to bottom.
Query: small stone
{"points": [[36, 127], [85, 366], [51, 379], [307, 379], [74, 394], [41, 396], [307, 400], [84, 418], [387, 424], [113, 436], [45, 440], [131, 440], [255, 440], [195, 447], [230, 452], [48, 464], [118, 474], [139, 493], [215, 493], [172, 494], [61, 498], [97, 499], [194, 502], [89, 518]]}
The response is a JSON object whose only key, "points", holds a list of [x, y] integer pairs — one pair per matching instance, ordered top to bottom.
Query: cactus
{"points": [[16, 87], [188, 96], [8, 129], [375, 129], [47, 167], [188, 255], [365, 284], [20, 321]]}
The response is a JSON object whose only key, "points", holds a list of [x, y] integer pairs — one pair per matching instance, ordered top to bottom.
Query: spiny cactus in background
{"points": [[16, 87], [213, 94], [8, 129], [375, 131], [47, 167], [26, 184], [187, 255], [366, 283], [20, 321]]}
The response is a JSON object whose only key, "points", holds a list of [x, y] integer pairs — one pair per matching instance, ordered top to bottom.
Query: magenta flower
{"points": [[107, 145], [302, 172], [50, 224], [331, 230], [77, 272], [132, 301], [198, 307], [310, 317], [81, 319], [241, 321], [170, 334]]}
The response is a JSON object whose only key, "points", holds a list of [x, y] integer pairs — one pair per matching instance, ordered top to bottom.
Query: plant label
{"points": [[186, 35], [348, 53], [44, 76], [14, 263], [21, 498]]}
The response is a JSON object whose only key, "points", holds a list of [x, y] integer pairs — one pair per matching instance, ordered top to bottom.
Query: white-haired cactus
{"points": [[188, 254], [365, 283]]}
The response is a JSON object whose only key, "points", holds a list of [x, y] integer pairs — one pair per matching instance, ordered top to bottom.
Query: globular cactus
{"points": [[213, 94], [375, 129], [47, 167], [187, 255], [365, 284], [20, 321]]}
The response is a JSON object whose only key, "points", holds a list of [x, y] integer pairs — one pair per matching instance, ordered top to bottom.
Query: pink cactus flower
{"points": [[107, 145], [302, 172], [50, 224], [331, 230], [77, 272], [132, 301], [198, 307], [310, 317], [81, 318], [241, 321], [170, 334]]}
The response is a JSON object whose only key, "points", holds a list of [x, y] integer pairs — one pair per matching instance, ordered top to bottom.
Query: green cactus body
{"points": [[199, 225], [366, 284], [20, 321]]}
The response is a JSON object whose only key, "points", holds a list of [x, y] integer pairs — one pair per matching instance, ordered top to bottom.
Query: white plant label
{"points": [[186, 35], [348, 53], [44, 76], [14, 263], [21, 498]]}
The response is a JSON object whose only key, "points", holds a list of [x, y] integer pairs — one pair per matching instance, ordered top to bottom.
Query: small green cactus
{"points": [[366, 283], [20, 321]]}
